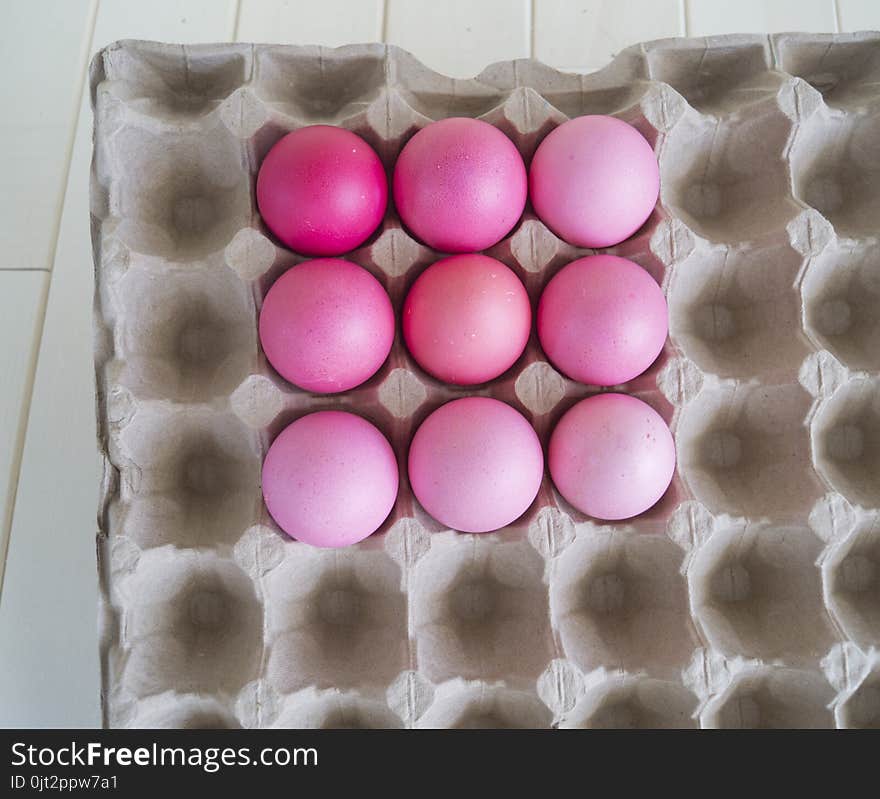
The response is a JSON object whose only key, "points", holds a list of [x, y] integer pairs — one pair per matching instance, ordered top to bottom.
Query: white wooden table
{"points": [[49, 673]]}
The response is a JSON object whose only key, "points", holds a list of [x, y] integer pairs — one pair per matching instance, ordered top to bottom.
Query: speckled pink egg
{"points": [[594, 181], [460, 185], [322, 190], [466, 319], [602, 320], [326, 325], [611, 456], [475, 464], [330, 479]]}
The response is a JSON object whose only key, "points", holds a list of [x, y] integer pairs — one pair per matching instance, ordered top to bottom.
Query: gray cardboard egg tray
{"points": [[749, 597]]}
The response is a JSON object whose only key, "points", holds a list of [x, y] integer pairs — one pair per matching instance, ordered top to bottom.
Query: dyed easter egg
{"points": [[594, 181], [460, 185], [322, 190], [466, 319], [602, 320], [326, 325], [611, 456], [475, 464], [330, 479]]}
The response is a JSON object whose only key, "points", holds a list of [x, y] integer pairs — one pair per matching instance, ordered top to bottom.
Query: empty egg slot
{"points": [[844, 70], [715, 78], [175, 83], [318, 84], [586, 94], [436, 96], [835, 162], [727, 178], [183, 197], [841, 296], [736, 312], [183, 334], [846, 441], [745, 450], [191, 477], [852, 583], [756, 591], [618, 600], [475, 602], [337, 619], [193, 623], [771, 697], [634, 703], [478, 706], [860, 708], [334, 710], [173, 711]]}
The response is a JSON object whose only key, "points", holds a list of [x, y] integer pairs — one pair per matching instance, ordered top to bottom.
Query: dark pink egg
{"points": [[460, 185], [322, 190]]}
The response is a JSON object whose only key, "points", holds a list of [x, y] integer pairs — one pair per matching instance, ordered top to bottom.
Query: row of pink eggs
{"points": [[459, 185], [475, 464]]}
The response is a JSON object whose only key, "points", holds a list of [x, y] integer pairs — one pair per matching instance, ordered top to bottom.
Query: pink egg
{"points": [[594, 181], [460, 185], [322, 190], [467, 319], [602, 320], [326, 325], [611, 456], [475, 464], [330, 479]]}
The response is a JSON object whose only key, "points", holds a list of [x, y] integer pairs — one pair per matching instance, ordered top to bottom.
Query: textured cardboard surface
{"points": [[749, 596]]}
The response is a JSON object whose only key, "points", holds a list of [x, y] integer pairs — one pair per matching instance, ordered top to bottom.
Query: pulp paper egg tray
{"points": [[748, 597]]}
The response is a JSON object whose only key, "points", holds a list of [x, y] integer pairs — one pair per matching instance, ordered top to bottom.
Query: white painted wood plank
{"points": [[859, 15], [707, 17], [184, 21], [328, 22], [591, 32], [460, 37], [40, 63], [22, 296], [49, 670]]}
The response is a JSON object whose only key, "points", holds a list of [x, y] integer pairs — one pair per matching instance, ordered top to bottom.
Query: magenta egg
{"points": [[594, 181], [460, 185], [322, 190], [466, 319], [602, 320], [326, 325], [611, 456], [475, 464], [330, 479]]}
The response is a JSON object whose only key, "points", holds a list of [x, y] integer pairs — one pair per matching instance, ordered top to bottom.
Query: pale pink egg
{"points": [[594, 181], [460, 185], [322, 190], [466, 319], [602, 320], [326, 325], [611, 456], [475, 464], [330, 479]]}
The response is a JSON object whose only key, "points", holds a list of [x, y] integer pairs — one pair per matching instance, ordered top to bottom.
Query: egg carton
{"points": [[748, 597]]}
